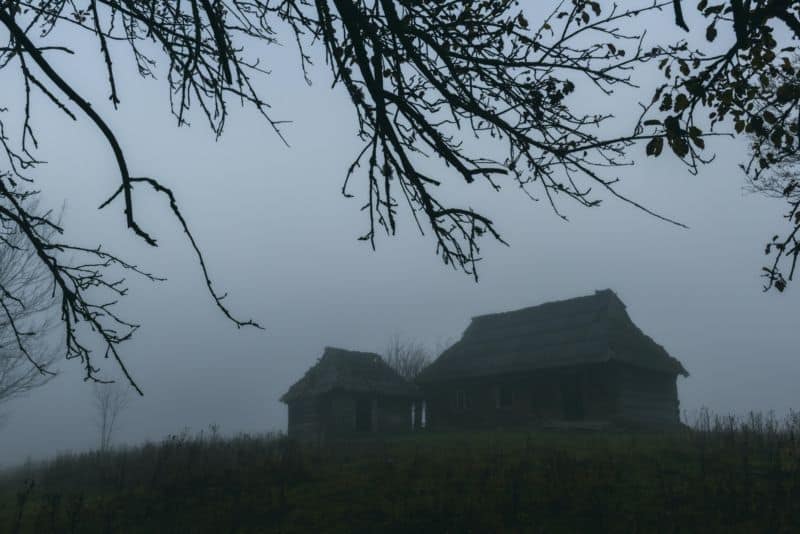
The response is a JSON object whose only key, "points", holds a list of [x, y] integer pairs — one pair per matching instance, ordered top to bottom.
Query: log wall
{"points": [[581, 392], [598, 392], [647, 397], [334, 415]]}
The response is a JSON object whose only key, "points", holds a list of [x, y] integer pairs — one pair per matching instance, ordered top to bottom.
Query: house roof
{"points": [[584, 330], [347, 370]]}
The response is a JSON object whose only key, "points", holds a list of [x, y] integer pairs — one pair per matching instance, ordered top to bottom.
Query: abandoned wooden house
{"points": [[581, 359], [349, 393]]}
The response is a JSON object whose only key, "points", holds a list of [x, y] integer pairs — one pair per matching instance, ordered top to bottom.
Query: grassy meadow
{"points": [[723, 475]]}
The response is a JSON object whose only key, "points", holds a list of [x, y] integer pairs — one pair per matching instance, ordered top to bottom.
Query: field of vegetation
{"points": [[723, 475]]}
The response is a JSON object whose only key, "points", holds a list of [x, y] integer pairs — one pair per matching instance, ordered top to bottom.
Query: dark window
{"points": [[503, 397], [461, 400]]}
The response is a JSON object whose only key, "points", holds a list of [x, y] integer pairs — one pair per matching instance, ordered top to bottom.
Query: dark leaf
{"points": [[711, 33], [681, 103], [655, 146], [679, 146]]}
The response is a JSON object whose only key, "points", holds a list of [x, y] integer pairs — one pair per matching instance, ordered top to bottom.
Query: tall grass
{"points": [[720, 474]]}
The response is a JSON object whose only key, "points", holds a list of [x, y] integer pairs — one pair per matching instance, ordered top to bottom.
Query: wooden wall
{"points": [[598, 392], [647, 397], [334, 415], [393, 415], [303, 419]]}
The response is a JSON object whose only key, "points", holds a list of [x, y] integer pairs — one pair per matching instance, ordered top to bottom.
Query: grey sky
{"points": [[281, 240]]}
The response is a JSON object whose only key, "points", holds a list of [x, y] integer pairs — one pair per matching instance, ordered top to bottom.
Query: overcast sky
{"points": [[281, 240]]}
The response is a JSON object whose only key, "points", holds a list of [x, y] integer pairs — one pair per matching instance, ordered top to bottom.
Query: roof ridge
{"points": [[608, 292], [327, 349]]}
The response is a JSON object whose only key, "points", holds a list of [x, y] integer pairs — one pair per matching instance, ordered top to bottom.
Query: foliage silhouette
{"points": [[424, 78]]}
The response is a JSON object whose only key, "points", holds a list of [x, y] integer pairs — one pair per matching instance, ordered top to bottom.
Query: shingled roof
{"points": [[584, 330], [347, 370]]}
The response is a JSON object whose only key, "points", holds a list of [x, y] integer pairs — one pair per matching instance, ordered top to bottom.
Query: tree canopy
{"points": [[424, 77]]}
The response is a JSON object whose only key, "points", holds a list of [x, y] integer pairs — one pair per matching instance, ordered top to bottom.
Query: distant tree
{"points": [[424, 77], [782, 182], [26, 350], [406, 357], [110, 399]]}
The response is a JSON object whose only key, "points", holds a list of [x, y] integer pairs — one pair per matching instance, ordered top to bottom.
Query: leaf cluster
{"points": [[749, 87]]}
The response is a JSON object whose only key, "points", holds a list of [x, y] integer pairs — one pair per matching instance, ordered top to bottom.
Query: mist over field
{"points": [[281, 241]]}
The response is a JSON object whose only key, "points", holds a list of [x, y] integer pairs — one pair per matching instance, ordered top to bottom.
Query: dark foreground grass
{"points": [[727, 475]]}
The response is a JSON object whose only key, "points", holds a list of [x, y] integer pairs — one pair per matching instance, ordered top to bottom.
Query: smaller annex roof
{"points": [[583, 330], [348, 370]]}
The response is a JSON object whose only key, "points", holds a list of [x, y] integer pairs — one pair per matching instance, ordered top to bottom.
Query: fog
{"points": [[281, 240]]}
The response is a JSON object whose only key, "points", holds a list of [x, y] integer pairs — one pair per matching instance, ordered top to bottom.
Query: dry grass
{"points": [[725, 475]]}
